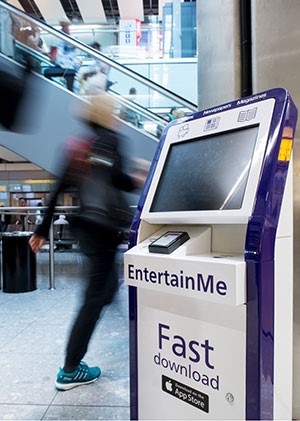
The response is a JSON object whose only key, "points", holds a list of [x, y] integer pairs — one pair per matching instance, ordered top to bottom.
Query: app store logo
{"points": [[169, 385], [185, 393]]}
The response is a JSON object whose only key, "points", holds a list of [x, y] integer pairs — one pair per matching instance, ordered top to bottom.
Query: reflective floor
{"points": [[33, 332]]}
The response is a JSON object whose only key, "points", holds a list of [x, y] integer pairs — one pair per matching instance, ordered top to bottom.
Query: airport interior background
{"points": [[188, 55]]}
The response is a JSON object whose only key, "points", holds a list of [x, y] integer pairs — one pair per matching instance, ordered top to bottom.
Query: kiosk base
{"points": [[188, 362]]}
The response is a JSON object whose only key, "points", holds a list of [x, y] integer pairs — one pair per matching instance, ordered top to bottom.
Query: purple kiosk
{"points": [[210, 267]]}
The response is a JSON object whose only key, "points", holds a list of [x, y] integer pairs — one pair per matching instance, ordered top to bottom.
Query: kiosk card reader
{"points": [[168, 242], [210, 270]]}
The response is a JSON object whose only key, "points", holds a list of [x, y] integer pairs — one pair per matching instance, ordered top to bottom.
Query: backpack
{"points": [[78, 165]]}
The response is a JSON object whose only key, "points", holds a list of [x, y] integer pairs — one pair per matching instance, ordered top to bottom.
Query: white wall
{"points": [[276, 63], [219, 66]]}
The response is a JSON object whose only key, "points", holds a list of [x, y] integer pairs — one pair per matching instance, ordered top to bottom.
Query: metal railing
{"points": [[31, 212]]}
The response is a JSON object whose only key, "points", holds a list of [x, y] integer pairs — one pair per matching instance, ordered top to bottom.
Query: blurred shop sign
{"points": [[130, 31]]}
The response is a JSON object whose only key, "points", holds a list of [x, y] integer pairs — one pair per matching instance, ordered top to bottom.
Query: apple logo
{"points": [[169, 386]]}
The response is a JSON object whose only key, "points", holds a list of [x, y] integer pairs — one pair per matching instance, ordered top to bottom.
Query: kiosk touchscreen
{"points": [[209, 267]]}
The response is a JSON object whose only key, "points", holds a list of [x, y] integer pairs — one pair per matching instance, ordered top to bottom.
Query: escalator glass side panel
{"points": [[85, 71]]}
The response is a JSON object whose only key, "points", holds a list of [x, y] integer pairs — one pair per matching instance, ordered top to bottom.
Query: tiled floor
{"points": [[33, 332]]}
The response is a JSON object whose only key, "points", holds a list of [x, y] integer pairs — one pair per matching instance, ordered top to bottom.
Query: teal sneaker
{"points": [[82, 375]]}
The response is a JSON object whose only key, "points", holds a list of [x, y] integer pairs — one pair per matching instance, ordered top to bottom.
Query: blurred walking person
{"points": [[96, 168]]}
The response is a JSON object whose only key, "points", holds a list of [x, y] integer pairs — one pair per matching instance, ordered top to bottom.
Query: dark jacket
{"points": [[100, 189]]}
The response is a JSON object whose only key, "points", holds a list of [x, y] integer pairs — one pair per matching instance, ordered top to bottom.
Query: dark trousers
{"points": [[68, 74], [99, 245]]}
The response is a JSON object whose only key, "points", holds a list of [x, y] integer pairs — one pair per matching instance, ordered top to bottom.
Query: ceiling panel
{"points": [[15, 3], [133, 9], [52, 11], [92, 11]]}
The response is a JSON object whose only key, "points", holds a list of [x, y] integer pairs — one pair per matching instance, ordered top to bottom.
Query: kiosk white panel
{"points": [[188, 361]]}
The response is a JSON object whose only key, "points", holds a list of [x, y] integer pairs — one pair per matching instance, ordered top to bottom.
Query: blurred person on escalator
{"points": [[8, 24], [35, 40], [67, 60], [93, 79], [127, 113], [173, 114], [96, 167]]}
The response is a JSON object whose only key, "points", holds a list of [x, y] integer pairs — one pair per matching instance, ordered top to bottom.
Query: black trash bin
{"points": [[18, 262]]}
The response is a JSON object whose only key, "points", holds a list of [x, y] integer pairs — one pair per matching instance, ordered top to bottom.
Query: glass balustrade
{"points": [[140, 102]]}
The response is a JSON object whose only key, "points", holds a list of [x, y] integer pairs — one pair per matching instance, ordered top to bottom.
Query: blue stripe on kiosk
{"points": [[211, 317]]}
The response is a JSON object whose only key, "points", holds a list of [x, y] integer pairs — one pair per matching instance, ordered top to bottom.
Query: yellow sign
{"points": [[285, 149]]}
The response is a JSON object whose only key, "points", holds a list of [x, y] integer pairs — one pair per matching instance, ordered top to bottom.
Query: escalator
{"points": [[48, 112]]}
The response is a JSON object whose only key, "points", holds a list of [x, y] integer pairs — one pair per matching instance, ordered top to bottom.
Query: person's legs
{"points": [[53, 72], [69, 75], [100, 248]]}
